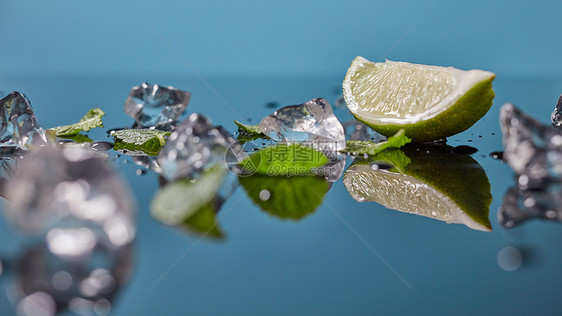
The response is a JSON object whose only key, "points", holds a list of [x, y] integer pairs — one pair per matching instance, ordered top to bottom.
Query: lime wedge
{"points": [[428, 102], [430, 181]]}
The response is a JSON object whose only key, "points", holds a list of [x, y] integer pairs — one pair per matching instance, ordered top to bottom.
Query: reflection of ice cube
{"points": [[154, 105], [556, 116], [311, 123], [19, 126], [355, 130], [194, 146], [533, 150], [65, 188], [519, 205], [48, 283]]}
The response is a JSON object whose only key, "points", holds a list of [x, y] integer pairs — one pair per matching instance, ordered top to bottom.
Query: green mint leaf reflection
{"points": [[92, 119], [248, 133], [79, 138], [149, 141], [360, 147], [285, 160], [432, 181], [285, 197], [190, 204]]}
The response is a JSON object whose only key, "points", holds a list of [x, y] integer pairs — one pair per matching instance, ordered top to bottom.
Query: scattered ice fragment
{"points": [[155, 105], [556, 116], [312, 123], [19, 126], [196, 145], [533, 150], [67, 188], [520, 205]]}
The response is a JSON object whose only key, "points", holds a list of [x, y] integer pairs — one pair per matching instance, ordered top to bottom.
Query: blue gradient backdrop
{"points": [[276, 37]]}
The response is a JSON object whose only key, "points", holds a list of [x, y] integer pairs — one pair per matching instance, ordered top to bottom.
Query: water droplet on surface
{"points": [[101, 146], [497, 155], [140, 172], [264, 195], [510, 259]]}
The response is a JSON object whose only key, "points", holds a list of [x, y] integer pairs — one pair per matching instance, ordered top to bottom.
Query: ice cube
{"points": [[155, 105], [556, 116], [312, 123], [19, 126], [196, 145], [533, 150], [68, 188], [520, 205], [48, 282]]}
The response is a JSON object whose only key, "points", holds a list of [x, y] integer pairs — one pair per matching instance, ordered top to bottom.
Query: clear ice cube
{"points": [[155, 105], [556, 116], [312, 123], [19, 126], [196, 145], [532, 150], [68, 188], [520, 205]]}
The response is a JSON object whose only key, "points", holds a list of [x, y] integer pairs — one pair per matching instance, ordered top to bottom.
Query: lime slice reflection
{"points": [[431, 181]]}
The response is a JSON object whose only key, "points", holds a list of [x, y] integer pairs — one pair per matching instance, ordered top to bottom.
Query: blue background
{"points": [[276, 37]]}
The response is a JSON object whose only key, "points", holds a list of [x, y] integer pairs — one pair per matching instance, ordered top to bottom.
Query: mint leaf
{"points": [[92, 119], [248, 129], [248, 133], [79, 138], [149, 141], [360, 147], [285, 160], [286, 197], [190, 204]]}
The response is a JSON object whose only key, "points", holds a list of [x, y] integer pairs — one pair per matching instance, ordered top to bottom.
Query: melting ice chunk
{"points": [[154, 105], [556, 116], [312, 123], [19, 126], [197, 145], [533, 150], [67, 188], [519, 205]]}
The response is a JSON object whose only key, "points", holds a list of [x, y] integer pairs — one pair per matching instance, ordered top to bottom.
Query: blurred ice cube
{"points": [[155, 105], [556, 116], [312, 123], [19, 127], [196, 145], [533, 150], [70, 189], [520, 205]]}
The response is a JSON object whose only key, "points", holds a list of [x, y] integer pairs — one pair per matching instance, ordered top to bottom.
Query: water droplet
{"points": [[272, 105], [101, 146], [497, 155], [380, 166], [140, 172], [264, 195], [510, 258]]}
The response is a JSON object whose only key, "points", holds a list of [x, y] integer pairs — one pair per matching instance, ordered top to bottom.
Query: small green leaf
{"points": [[92, 119], [248, 129], [248, 133], [79, 138], [149, 141], [360, 147], [285, 160], [286, 197], [191, 204]]}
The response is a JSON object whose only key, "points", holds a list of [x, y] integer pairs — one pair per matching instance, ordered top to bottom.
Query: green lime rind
{"points": [[459, 117], [91, 120], [360, 147], [459, 177], [289, 197]]}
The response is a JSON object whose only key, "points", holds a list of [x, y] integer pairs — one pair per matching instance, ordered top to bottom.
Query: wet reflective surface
{"points": [[282, 252]]}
